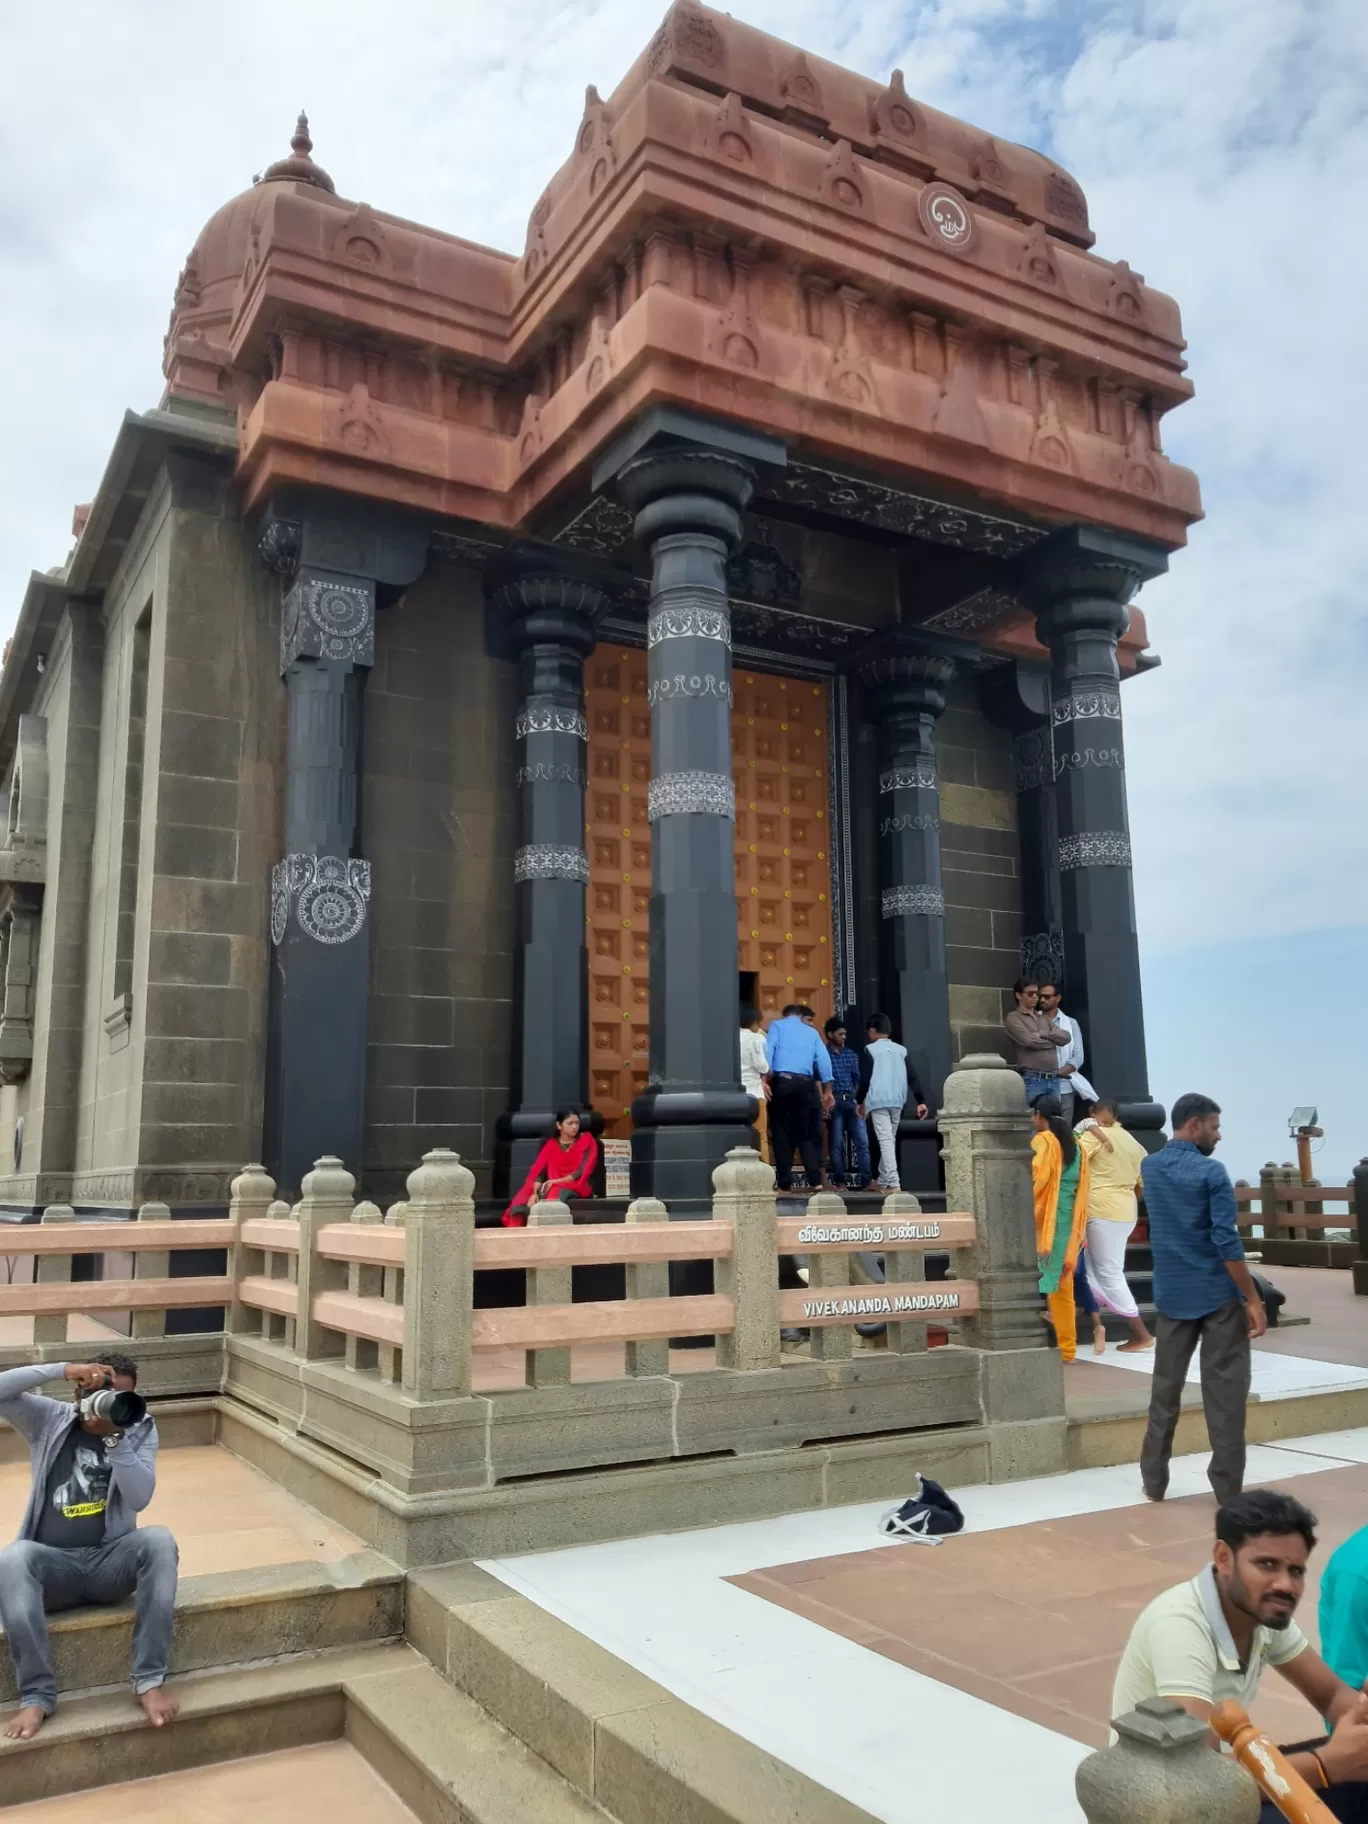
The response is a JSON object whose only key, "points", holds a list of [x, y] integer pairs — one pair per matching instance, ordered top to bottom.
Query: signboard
{"points": [[617, 1168]]}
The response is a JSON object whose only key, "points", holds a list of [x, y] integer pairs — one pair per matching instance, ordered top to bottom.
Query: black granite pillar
{"points": [[688, 505], [332, 570], [1078, 584], [548, 618], [905, 684], [1017, 697]]}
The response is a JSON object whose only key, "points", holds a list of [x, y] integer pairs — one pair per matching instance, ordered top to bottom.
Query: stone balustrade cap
{"points": [[982, 1084], [1161, 1723]]}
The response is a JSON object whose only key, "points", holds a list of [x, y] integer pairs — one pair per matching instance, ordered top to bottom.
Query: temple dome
{"points": [[207, 287]]}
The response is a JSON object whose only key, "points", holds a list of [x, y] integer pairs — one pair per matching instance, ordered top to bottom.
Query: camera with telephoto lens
{"points": [[121, 1409]]}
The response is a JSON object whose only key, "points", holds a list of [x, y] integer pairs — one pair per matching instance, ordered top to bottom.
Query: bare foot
{"points": [[1099, 1341], [1135, 1346], [159, 1706], [25, 1724]]}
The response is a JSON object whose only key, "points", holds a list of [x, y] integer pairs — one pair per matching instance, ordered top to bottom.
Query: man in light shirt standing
{"points": [[1070, 1055], [1114, 1160]]}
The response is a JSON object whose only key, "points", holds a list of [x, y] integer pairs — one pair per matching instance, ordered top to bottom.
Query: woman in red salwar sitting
{"points": [[564, 1168]]}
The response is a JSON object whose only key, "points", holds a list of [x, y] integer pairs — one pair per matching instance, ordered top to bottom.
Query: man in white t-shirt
{"points": [[754, 1070], [1210, 1639]]}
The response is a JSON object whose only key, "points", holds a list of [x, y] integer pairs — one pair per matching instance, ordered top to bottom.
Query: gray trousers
{"points": [[1224, 1336], [36, 1580]]}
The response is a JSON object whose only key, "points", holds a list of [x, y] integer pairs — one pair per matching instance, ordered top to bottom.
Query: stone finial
{"points": [[299, 167], [982, 1084], [743, 1173], [441, 1178], [329, 1181], [254, 1185], [155, 1212], [1161, 1771]]}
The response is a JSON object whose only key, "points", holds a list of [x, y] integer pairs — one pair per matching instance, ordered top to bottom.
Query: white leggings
{"points": [[886, 1133], [1106, 1262]]}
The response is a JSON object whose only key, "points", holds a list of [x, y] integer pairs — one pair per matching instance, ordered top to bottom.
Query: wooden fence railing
{"points": [[1296, 1224]]}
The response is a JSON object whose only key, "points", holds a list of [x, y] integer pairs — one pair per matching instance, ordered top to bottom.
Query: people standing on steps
{"points": [[1035, 1042], [1070, 1056], [797, 1063], [754, 1068], [886, 1082], [821, 1104], [845, 1120], [1114, 1161], [563, 1169], [1059, 1181], [1203, 1292], [79, 1541]]}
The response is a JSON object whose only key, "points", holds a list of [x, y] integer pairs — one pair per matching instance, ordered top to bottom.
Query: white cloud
{"points": [[1225, 154]]}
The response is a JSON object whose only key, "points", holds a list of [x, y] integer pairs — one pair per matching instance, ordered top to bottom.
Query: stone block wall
{"points": [[437, 808], [980, 859]]}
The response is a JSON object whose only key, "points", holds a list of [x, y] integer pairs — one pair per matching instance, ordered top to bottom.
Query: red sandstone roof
{"points": [[740, 227]]}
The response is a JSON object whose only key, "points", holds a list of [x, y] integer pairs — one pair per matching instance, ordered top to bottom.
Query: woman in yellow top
{"points": [[1114, 1159], [1059, 1177]]}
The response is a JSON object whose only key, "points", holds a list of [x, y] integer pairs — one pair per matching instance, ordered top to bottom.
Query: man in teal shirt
{"points": [[1344, 1611]]}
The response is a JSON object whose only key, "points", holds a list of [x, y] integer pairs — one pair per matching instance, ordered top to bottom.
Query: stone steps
{"points": [[235, 1617], [621, 1740], [445, 1757]]}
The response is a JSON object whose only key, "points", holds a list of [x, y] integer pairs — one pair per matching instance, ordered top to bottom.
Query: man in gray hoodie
{"points": [[79, 1541]]}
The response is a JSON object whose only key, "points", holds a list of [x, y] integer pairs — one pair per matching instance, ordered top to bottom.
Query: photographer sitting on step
{"points": [[94, 1471]]}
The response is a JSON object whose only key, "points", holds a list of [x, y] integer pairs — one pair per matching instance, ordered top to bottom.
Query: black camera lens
{"points": [[121, 1409]]}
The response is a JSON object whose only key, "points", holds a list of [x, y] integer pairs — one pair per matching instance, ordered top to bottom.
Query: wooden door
{"points": [[783, 869]]}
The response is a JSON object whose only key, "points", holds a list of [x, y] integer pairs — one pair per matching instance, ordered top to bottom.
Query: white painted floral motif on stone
{"points": [[327, 620], [676, 620], [688, 686], [1087, 706], [540, 721], [918, 778], [691, 794], [1097, 849], [545, 861], [329, 894], [898, 900]]}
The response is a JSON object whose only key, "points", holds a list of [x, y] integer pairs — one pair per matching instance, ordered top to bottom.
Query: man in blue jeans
{"points": [[844, 1118], [1203, 1293], [79, 1541]]}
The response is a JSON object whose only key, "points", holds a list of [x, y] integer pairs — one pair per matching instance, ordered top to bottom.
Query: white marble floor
{"points": [[1272, 1376], [898, 1744]]}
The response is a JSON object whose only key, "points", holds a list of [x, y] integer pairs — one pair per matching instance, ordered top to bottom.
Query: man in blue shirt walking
{"points": [[797, 1060], [1203, 1293]]}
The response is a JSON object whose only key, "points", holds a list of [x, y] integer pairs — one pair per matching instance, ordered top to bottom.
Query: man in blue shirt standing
{"points": [[797, 1060], [845, 1118], [1203, 1293]]}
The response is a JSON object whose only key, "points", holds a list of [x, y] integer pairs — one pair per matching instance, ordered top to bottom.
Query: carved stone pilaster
{"points": [[330, 572], [1079, 583], [547, 613], [905, 678]]}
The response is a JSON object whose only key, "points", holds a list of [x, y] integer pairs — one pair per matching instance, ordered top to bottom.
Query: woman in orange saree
{"points": [[1059, 1178]]}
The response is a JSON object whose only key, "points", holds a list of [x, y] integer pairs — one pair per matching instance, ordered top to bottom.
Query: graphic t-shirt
{"points": [[77, 1493]]}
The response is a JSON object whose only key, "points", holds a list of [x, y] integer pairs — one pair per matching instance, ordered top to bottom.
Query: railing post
{"points": [[986, 1130], [1360, 1183], [250, 1195], [743, 1195], [327, 1198], [1268, 1200], [155, 1265], [904, 1267], [53, 1270], [829, 1273], [439, 1277], [649, 1281], [363, 1282], [548, 1286], [389, 1362], [1161, 1771]]}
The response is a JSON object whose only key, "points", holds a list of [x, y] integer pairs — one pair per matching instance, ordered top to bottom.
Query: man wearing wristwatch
{"points": [[80, 1541], [1210, 1639]]}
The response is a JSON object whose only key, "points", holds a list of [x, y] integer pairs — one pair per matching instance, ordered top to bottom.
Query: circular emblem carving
{"points": [[945, 217], [341, 612], [331, 911]]}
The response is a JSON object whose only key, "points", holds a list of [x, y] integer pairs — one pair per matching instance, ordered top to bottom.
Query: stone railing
{"points": [[1306, 1225], [360, 1330]]}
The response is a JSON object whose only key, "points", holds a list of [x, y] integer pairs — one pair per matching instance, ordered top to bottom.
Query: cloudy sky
{"points": [[1223, 146]]}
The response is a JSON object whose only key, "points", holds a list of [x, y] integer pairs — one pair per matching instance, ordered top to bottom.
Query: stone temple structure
{"points": [[484, 669]]}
